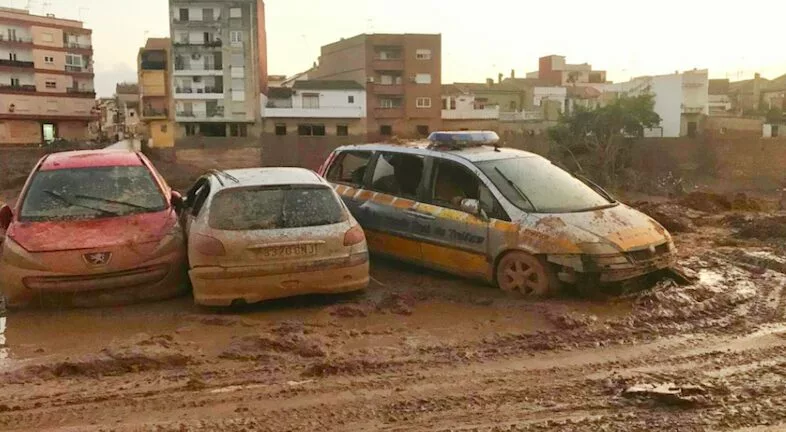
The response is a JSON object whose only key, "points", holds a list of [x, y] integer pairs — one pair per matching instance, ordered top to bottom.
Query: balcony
{"points": [[210, 22], [16, 41], [205, 44], [78, 46], [17, 64], [380, 64], [153, 65], [78, 69], [199, 70], [7, 88], [388, 89], [81, 92], [199, 93], [692, 109], [321, 112], [155, 113], [389, 113], [472, 114], [196, 116], [517, 116]]}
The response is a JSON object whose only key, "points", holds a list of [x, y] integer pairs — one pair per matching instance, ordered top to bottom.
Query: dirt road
{"points": [[423, 351]]}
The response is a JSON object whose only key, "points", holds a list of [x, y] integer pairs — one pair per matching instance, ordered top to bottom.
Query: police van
{"points": [[461, 203]]}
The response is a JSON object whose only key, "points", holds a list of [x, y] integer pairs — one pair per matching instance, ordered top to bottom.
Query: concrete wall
{"points": [[44, 106], [16, 164]]}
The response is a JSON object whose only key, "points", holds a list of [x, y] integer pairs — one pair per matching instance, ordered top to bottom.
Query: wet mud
{"points": [[425, 351]]}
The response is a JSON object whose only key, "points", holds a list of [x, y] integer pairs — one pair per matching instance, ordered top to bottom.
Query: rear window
{"points": [[90, 193], [275, 208]]}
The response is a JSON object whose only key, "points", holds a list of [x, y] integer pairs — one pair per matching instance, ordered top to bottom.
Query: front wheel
{"points": [[529, 275]]}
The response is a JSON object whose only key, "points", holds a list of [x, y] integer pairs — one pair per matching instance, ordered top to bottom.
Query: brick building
{"points": [[402, 74]]}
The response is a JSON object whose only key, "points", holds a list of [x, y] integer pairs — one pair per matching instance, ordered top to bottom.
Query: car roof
{"points": [[471, 154], [90, 159], [267, 177]]}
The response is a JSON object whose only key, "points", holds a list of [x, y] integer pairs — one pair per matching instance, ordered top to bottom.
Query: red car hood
{"points": [[94, 233]]}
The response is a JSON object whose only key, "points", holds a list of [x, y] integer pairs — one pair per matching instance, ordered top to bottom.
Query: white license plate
{"points": [[288, 251]]}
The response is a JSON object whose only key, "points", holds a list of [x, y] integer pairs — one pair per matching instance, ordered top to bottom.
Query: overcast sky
{"points": [[624, 37]]}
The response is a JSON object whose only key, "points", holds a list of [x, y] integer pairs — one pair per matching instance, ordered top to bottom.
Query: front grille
{"points": [[647, 254], [100, 281]]}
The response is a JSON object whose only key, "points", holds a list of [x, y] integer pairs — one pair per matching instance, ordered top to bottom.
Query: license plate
{"points": [[288, 251]]}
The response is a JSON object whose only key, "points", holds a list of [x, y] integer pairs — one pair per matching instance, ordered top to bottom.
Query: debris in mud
{"points": [[706, 202], [742, 202], [671, 216], [768, 228], [400, 304], [349, 310], [571, 320], [222, 321], [265, 347], [155, 353], [349, 367], [668, 394]]}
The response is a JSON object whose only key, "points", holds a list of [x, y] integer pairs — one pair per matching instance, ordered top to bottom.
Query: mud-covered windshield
{"points": [[535, 184], [89, 193], [275, 208]]}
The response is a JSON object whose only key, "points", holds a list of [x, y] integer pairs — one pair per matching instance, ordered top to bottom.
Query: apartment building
{"points": [[219, 66], [402, 74], [46, 78], [155, 92], [316, 108]]}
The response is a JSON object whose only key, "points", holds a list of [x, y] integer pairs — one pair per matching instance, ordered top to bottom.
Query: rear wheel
{"points": [[526, 274]]}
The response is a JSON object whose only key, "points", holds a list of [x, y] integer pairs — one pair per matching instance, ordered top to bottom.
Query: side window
{"points": [[349, 168], [398, 174], [454, 183]]}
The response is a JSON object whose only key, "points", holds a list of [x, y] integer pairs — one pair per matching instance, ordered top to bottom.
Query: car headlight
{"points": [[15, 255]]}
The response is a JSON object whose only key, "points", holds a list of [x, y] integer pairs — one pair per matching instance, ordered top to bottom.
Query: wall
{"points": [[39, 38], [24, 78], [62, 82], [153, 83], [46, 106], [357, 127], [732, 127], [72, 130], [18, 132], [162, 132], [16, 164]]}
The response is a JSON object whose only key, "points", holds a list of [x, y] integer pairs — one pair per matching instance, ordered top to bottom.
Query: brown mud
{"points": [[425, 351]]}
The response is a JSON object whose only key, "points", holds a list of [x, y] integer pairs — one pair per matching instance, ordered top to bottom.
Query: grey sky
{"points": [[626, 37]]}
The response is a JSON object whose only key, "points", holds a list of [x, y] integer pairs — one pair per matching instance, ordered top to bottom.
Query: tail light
{"points": [[354, 236], [209, 246]]}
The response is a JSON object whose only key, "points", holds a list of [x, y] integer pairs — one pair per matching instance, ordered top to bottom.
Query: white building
{"points": [[558, 95], [681, 99], [465, 107], [315, 108]]}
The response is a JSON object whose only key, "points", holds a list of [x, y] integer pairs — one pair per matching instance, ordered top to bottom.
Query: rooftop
{"points": [[327, 85], [90, 159], [269, 176]]}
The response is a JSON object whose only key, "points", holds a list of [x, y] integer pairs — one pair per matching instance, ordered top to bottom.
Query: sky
{"points": [[627, 38]]}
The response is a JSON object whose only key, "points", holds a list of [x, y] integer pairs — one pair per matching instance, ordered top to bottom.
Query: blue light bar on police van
{"points": [[463, 139]]}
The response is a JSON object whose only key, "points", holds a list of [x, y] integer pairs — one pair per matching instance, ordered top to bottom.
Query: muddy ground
{"points": [[423, 351]]}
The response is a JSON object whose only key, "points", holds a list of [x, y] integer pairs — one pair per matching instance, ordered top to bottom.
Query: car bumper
{"points": [[609, 269], [156, 280], [219, 286]]}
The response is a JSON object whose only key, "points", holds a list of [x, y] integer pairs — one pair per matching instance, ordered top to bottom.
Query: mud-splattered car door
{"points": [[348, 173], [457, 241]]}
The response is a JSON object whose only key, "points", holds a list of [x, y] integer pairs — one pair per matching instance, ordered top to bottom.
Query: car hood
{"points": [[621, 226], [93, 233]]}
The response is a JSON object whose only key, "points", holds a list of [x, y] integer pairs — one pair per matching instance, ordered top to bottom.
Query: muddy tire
{"points": [[526, 274]]}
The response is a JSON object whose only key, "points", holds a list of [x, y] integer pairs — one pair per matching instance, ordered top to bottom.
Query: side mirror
{"points": [[176, 199], [6, 217]]}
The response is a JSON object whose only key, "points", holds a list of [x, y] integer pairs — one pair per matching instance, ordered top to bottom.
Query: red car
{"points": [[92, 228]]}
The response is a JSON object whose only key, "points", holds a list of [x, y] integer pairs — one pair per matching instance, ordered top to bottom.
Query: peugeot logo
{"points": [[97, 259]]}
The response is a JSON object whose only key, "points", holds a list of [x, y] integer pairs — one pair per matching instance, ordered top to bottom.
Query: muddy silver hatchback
{"points": [[459, 203]]}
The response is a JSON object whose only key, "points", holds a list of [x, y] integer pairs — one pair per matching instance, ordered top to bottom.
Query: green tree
{"points": [[597, 141]]}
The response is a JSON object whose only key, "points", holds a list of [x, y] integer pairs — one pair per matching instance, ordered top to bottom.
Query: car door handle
{"points": [[420, 215]]}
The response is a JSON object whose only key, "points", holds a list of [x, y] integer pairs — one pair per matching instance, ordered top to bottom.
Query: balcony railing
{"points": [[195, 23], [19, 40], [208, 44], [75, 45], [17, 63], [153, 65], [182, 67], [81, 69], [18, 88], [206, 90], [84, 91], [692, 110], [155, 112], [321, 112], [209, 114], [513, 116]]}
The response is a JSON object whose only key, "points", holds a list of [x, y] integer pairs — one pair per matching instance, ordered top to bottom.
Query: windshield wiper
{"points": [[516, 188], [65, 200], [111, 201]]}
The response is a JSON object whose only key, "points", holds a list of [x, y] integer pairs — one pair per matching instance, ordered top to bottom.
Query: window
{"points": [[235, 13], [183, 14], [208, 15], [12, 34], [47, 37], [236, 37], [183, 38], [423, 54], [12, 56], [49, 60], [73, 60], [423, 78], [14, 82], [51, 84], [238, 96], [351, 99], [311, 100], [423, 102], [388, 103], [444, 104], [452, 104], [512, 105], [164, 128], [281, 129], [311, 129], [191, 130], [238, 130], [342, 130], [386, 130], [422, 130], [349, 168], [398, 174], [454, 183], [275, 207]]}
